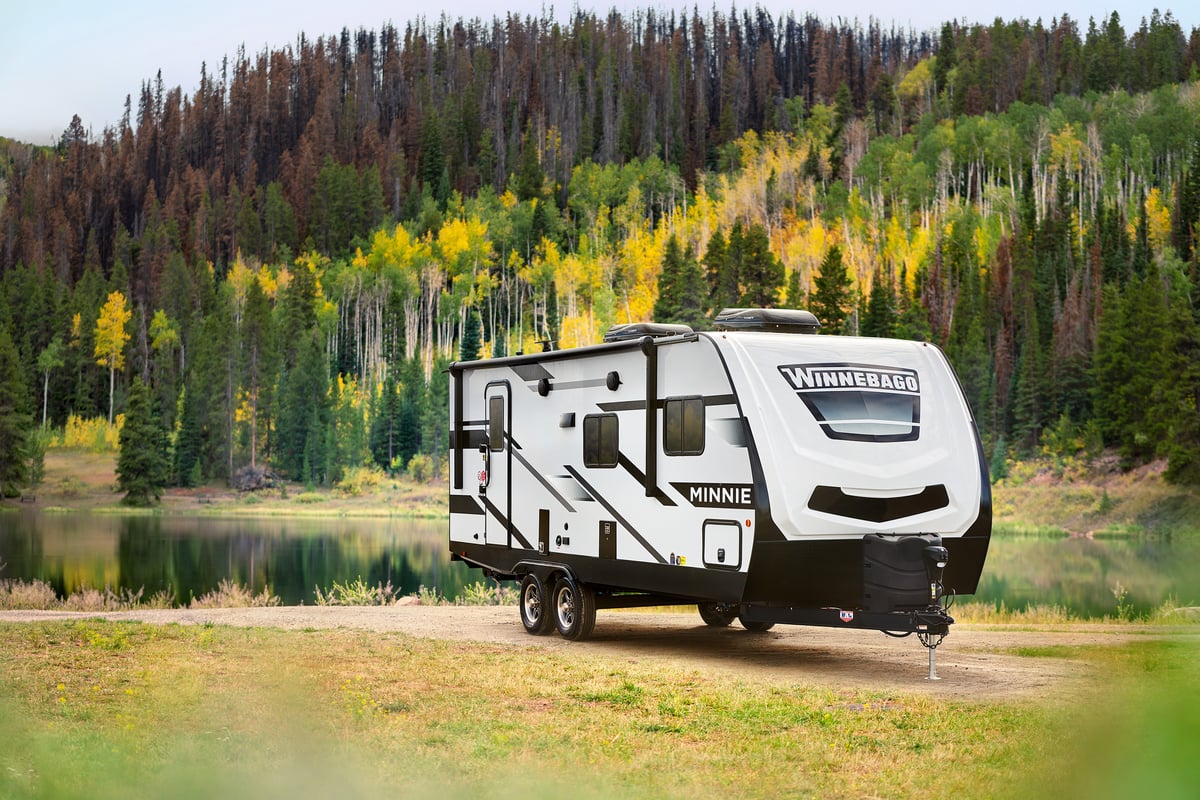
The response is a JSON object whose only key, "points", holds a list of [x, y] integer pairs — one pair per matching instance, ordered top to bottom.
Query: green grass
{"points": [[93, 709]]}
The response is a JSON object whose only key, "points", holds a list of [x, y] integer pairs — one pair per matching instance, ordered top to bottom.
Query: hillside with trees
{"points": [[284, 261]]}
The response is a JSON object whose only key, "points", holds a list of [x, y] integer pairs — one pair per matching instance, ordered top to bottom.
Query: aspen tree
{"points": [[111, 337]]}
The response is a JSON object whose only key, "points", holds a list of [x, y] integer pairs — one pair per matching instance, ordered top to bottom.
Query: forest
{"points": [[275, 269]]}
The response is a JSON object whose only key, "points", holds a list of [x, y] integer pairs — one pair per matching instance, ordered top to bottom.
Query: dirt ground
{"points": [[972, 664]]}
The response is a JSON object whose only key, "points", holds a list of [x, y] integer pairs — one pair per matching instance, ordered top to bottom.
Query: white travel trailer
{"points": [[763, 473]]}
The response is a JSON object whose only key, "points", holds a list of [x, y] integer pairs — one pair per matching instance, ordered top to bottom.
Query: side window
{"points": [[495, 423], [683, 426], [600, 440]]}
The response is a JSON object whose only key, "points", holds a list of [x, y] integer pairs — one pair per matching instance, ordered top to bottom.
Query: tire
{"points": [[534, 604], [574, 610], [718, 615], [754, 626]]}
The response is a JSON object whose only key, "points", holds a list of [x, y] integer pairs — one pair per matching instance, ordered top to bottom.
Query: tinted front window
{"points": [[860, 402], [865, 415]]}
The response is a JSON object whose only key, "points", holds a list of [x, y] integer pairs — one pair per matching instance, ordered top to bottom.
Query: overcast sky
{"points": [[64, 57]]}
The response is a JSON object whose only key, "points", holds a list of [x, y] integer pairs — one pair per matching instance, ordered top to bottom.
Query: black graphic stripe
{"points": [[531, 372], [638, 405], [627, 465], [542, 480], [464, 504], [616, 515], [506, 523]]}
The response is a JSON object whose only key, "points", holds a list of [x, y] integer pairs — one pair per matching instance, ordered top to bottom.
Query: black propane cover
{"points": [[895, 577]]}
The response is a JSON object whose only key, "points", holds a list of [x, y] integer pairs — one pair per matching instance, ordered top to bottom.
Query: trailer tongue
{"points": [[760, 472]]}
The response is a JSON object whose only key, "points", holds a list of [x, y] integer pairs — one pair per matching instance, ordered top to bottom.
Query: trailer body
{"points": [[763, 475]]}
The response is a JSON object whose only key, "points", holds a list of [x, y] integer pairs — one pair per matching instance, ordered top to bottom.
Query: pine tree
{"points": [[947, 59], [530, 179], [1186, 222], [715, 258], [760, 272], [729, 277], [682, 290], [793, 291], [692, 292], [830, 298], [666, 306], [880, 317], [912, 322], [468, 344], [257, 357], [412, 397], [1028, 404], [303, 416], [435, 416], [15, 424], [385, 426], [142, 461], [186, 468]]}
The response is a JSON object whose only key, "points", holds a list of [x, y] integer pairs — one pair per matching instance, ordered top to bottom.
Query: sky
{"points": [[59, 58]]}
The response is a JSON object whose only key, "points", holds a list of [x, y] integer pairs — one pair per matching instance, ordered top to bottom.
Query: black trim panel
{"points": [[832, 500], [465, 504], [829, 572], [687, 584]]}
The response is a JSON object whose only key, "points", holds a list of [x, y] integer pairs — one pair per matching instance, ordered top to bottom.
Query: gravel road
{"points": [[972, 663]]}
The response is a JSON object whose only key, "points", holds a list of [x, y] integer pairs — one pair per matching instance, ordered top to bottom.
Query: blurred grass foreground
{"points": [[95, 709]]}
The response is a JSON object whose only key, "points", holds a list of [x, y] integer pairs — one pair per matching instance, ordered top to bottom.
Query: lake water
{"points": [[189, 556], [292, 557]]}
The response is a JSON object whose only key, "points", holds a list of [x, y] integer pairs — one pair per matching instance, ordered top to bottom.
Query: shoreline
{"points": [[1090, 500]]}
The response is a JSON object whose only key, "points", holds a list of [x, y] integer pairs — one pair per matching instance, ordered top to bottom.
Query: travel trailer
{"points": [[759, 471]]}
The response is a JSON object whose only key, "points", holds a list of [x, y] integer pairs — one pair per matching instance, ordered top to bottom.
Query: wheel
{"points": [[535, 606], [574, 609], [717, 615], [754, 626]]}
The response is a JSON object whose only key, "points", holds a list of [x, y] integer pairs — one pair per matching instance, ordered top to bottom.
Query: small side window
{"points": [[495, 423], [683, 426], [600, 440]]}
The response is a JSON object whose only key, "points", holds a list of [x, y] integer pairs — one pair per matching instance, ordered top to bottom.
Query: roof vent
{"points": [[771, 320], [637, 330]]}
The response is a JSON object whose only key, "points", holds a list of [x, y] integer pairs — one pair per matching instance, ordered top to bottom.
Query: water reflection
{"points": [[190, 556], [1082, 574]]}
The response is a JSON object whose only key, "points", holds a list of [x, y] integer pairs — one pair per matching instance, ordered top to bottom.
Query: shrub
{"points": [[94, 435], [420, 468], [359, 480], [71, 486], [357, 593], [489, 593], [27, 595], [39, 595], [233, 595]]}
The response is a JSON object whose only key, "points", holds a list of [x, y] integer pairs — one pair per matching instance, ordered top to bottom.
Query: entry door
{"points": [[498, 500]]}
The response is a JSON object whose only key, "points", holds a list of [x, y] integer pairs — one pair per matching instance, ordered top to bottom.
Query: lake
{"points": [[189, 556]]}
